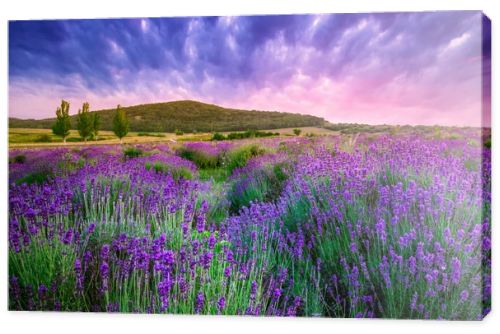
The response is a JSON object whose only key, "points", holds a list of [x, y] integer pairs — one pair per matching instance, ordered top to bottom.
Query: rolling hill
{"points": [[187, 116]]}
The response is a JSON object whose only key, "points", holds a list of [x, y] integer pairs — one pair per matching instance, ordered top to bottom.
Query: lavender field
{"points": [[392, 226]]}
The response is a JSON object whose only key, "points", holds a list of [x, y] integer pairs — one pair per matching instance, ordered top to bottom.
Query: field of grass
{"points": [[25, 137]]}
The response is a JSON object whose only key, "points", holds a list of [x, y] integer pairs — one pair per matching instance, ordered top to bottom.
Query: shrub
{"points": [[179, 132], [297, 132], [147, 134], [250, 134], [218, 136], [45, 138], [132, 152], [239, 157], [20, 159], [201, 159], [176, 172], [217, 175], [35, 177], [260, 185], [50, 265]]}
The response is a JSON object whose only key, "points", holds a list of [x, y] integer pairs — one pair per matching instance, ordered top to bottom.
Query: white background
{"points": [[21, 322]]}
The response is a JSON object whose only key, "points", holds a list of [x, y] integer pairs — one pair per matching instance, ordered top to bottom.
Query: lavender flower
{"points": [[456, 270], [199, 303], [221, 303]]}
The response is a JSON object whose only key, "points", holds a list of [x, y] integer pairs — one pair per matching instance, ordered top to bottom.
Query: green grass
{"points": [[132, 152], [239, 157], [201, 159], [176, 172], [218, 175], [35, 177], [44, 263]]}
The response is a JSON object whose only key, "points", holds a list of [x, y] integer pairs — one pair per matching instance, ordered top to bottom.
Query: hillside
{"points": [[187, 116]]}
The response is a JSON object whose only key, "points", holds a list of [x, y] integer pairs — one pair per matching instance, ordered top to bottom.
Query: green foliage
{"points": [[190, 116], [85, 122], [62, 123], [120, 123], [96, 124], [179, 132], [297, 132], [148, 134], [250, 134], [218, 136], [45, 138], [487, 143], [132, 152], [240, 156], [20, 159], [201, 159], [68, 164], [471, 164], [176, 172], [217, 175], [38, 177], [261, 185], [45, 262]]}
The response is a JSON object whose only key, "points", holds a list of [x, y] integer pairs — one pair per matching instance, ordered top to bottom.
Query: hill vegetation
{"points": [[186, 116]]}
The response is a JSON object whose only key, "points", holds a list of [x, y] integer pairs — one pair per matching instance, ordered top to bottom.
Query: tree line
{"points": [[88, 123]]}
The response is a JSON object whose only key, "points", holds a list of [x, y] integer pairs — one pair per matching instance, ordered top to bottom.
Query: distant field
{"points": [[23, 137], [43, 137]]}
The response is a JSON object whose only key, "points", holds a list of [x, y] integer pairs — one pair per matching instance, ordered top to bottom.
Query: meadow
{"points": [[30, 137], [387, 225]]}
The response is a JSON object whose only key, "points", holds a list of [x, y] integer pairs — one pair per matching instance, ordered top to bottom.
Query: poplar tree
{"points": [[84, 122], [96, 123], [120, 123], [63, 124]]}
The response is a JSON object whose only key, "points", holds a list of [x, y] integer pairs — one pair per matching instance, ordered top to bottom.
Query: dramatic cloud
{"points": [[400, 68]]}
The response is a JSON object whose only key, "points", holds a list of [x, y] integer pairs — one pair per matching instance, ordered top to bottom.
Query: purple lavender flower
{"points": [[91, 228], [68, 237], [211, 241], [105, 252], [206, 259], [456, 270], [104, 271], [227, 272], [79, 275], [253, 290], [42, 292], [276, 294], [464, 295], [199, 302], [221, 303]]}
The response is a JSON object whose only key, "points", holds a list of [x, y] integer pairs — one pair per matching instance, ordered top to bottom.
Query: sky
{"points": [[384, 68]]}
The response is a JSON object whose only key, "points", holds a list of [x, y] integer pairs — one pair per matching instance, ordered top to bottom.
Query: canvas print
{"points": [[319, 165]]}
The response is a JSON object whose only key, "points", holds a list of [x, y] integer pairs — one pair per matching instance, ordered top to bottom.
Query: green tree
{"points": [[84, 122], [96, 123], [120, 123], [63, 124], [297, 132]]}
